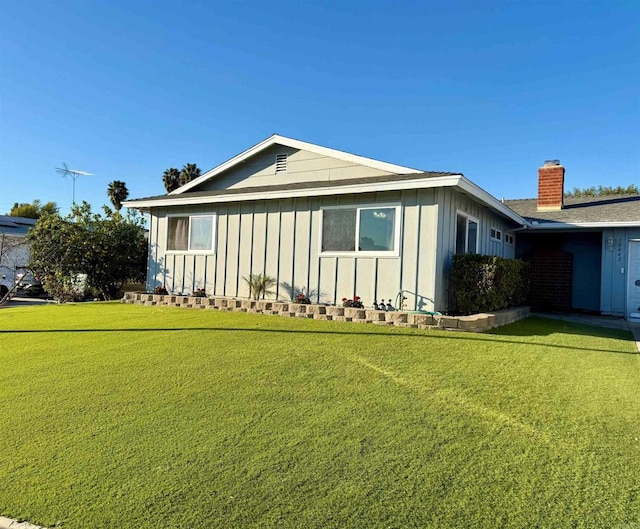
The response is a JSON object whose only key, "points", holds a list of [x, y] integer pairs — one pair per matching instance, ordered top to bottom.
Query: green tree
{"points": [[189, 172], [170, 179], [603, 191], [117, 192], [34, 210], [106, 250]]}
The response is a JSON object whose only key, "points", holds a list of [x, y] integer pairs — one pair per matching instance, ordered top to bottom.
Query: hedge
{"points": [[482, 283]]}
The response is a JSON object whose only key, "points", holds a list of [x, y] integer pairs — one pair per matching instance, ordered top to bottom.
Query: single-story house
{"points": [[323, 221], [336, 225]]}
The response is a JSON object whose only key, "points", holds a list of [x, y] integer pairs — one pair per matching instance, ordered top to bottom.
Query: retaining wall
{"points": [[473, 323]]}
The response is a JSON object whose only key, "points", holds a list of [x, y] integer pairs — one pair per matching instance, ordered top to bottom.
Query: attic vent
{"points": [[281, 163]]}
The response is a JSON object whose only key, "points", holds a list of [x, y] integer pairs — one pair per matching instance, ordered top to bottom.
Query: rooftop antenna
{"points": [[74, 174]]}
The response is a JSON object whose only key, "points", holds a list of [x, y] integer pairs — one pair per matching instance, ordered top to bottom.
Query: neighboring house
{"points": [[324, 221], [14, 249], [585, 252]]}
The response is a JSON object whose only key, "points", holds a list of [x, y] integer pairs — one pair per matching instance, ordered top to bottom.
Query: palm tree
{"points": [[189, 172], [170, 179], [117, 192]]}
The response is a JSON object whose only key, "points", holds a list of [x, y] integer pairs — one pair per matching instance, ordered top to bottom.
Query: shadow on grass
{"points": [[448, 336]]}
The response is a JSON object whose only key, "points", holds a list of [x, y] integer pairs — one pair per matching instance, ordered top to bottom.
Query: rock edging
{"points": [[473, 323]]}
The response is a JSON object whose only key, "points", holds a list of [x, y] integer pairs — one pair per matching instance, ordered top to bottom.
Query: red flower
{"points": [[356, 298], [344, 299]]}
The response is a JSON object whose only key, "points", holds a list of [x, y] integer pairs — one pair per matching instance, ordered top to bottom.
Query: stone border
{"points": [[474, 323]]}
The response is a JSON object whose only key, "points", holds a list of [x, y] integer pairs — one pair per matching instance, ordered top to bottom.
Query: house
{"points": [[322, 221], [335, 225], [14, 249], [585, 252]]}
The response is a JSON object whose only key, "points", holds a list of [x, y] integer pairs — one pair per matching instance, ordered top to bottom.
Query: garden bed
{"points": [[472, 323]]}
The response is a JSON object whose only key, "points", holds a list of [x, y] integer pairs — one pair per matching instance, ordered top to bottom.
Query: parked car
{"points": [[29, 285], [5, 286]]}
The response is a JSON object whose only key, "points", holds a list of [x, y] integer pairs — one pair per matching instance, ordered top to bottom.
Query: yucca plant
{"points": [[259, 285]]}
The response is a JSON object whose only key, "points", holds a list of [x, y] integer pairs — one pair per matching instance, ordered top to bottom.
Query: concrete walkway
{"points": [[596, 321], [8, 523]]}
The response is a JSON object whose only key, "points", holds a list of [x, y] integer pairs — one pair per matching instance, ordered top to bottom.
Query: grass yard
{"points": [[126, 416]]}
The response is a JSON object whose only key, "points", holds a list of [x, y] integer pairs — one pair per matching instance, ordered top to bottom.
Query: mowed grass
{"points": [[125, 416]]}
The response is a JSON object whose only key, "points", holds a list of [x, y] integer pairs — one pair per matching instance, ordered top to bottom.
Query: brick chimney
{"points": [[551, 186]]}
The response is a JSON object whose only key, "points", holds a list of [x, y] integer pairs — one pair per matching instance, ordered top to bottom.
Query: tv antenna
{"points": [[74, 174]]}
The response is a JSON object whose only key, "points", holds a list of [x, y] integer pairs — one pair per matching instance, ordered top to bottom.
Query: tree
{"points": [[189, 172], [170, 179], [602, 191], [117, 192], [34, 210], [107, 250]]}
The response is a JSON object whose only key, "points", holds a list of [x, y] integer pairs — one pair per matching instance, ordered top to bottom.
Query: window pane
{"points": [[338, 230], [377, 230], [178, 233], [201, 233], [461, 234], [472, 246]]}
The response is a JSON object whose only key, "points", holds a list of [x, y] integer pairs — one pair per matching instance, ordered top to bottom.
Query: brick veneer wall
{"points": [[551, 280]]}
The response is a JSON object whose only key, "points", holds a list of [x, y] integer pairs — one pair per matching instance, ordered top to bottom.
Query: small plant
{"points": [[259, 285], [160, 290], [199, 293], [302, 298], [356, 302]]}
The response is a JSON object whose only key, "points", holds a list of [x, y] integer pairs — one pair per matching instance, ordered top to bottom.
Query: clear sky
{"points": [[126, 89]]}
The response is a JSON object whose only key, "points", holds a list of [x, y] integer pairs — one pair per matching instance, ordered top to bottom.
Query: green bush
{"points": [[482, 283]]}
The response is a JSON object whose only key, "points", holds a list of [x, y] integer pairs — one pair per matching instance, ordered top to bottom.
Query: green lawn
{"points": [[125, 416]]}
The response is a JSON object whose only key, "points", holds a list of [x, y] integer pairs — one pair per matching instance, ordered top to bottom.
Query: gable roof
{"points": [[276, 139], [401, 177], [583, 212]]}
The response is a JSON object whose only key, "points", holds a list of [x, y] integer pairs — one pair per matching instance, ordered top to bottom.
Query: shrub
{"points": [[483, 283]]}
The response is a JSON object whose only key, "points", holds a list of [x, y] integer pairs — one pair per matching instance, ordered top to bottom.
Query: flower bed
{"points": [[473, 323]]}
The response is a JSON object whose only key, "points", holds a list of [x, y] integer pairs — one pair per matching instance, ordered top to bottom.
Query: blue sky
{"points": [[125, 89]]}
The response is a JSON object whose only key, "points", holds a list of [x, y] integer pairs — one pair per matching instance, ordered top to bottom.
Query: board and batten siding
{"points": [[451, 203], [281, 238]]}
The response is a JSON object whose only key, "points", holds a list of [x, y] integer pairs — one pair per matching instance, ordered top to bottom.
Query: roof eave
{"points": [[418, 183], [532, 225]]}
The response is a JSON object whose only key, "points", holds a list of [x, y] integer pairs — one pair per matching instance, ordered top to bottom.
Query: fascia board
{"points": [[295, 144], [422, 183], [491, 201], [580, 225]]}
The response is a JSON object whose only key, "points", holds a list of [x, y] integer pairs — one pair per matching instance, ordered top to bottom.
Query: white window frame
{"points": [[498, 236], [506, 239], [466, 240], [212, 250], [364, 253]]}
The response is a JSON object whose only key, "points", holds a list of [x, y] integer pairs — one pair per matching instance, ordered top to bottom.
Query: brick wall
{"points": [[551, 280]]}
